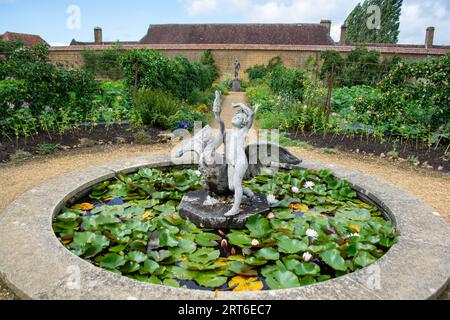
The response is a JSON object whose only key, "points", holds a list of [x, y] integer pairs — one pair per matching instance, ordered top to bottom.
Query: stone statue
{"points": [[237, 67], [236, 157], [222, 174]]}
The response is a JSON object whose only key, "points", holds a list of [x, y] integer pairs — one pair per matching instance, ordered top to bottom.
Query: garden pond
{"points": [[318, 229]]}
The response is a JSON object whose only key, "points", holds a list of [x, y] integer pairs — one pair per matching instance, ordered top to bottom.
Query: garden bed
{"points": [[82, 138], [371, 145]]}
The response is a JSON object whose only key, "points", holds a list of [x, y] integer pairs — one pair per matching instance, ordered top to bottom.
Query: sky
{"points": [[60, 21]]}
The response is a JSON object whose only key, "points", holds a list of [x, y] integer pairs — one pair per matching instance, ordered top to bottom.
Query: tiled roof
{"points": [[269, 34], [27, 39], [106, 43]]}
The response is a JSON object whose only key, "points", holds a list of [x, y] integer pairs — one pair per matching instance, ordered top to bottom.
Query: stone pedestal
{"points": [[236, 85], [212, 217]]}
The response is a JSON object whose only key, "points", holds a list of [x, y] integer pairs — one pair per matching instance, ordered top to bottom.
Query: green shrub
{"points": [[208, 60], [104, 63], [360, 67], [260, 71], [257, 72], [179, 76], [287, 81], [41, 83], [155, 107], [186, 119]]}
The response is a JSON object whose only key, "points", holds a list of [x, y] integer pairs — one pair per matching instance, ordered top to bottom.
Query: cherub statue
{"points": [[237, 162], [223, 173]]}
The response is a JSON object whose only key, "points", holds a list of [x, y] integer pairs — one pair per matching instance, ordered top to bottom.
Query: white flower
{"points": [[198, 173], [309, 185], [295, 190], [271, 199], [271, 216], [312, 233], [255, 243], [307, 257]]}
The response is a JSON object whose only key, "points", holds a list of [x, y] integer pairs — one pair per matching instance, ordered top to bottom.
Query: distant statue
{"points": [[237, 67], [223, 173]]}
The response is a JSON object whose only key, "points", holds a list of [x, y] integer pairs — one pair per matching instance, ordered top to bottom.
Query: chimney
{"points": [[327, 23], [98, 35], [429, 38], [342, 40]]}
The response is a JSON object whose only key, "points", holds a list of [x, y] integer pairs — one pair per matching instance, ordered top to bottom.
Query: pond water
{"points": [[318, 229]]}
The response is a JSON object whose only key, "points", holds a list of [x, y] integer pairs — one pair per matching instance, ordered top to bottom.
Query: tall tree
{"points": [[364, 25]]}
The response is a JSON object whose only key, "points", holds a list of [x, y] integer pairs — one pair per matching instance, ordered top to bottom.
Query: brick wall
{"points": [[249, 55]]}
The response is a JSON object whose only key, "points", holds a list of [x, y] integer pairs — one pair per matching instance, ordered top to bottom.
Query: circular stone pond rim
{"points": [[37, 266]]}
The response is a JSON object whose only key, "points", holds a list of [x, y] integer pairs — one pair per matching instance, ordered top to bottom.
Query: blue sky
{"points": [[129, 19]]}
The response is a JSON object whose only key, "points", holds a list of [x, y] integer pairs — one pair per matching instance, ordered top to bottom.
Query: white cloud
{"points": [[200, 7], [417, 15]]}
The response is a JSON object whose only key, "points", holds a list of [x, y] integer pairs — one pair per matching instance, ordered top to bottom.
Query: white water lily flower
{"points": [[198, 173], [309, 185], [295, 190], [271, 199], [312, 233], [351, 235], [255, 243], [307, 257]]}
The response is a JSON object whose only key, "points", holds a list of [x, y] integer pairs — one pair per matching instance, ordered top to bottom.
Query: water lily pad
{"points": [[357, 214], [67, 217], [258, 226], [166, 239], [207, 239], [240, 240], [187, 246], [291, 246], [268, 254], [204, 255], [136, 256], [160, 256], [334, 259], [364, 259], [112, 261], [253, 261], [130, 267], [242, 268], [305, 268], [181, 273], [210, 280], [282, 280], [171, 283], [241, 283]]}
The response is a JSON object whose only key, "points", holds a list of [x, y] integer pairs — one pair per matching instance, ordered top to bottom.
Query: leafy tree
{"points": [[388, 30]]}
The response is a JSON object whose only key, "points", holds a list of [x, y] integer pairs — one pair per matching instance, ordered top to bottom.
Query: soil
{"points": [[81, 138], [427, 157]]}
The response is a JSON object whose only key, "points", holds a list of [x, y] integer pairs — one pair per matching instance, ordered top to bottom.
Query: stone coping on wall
{"points": [[401, 49], [37, 266]]}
